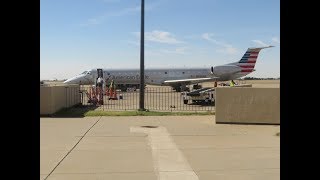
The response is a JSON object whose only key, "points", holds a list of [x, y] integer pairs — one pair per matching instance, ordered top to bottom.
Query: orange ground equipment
{"points": [[112, 91], [95, 95]]}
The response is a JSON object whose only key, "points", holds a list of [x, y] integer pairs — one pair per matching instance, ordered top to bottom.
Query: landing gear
{"points": [[197, 86], [128, 87], [176, 88], [180, 88]]}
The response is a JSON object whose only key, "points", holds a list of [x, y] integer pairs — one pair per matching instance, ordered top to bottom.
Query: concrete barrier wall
{"points": [[243, 85], [53, 98], [45, 100], [247, 105]]}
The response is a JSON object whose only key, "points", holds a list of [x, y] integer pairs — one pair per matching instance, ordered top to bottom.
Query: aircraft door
{"points": [[100, 73]]}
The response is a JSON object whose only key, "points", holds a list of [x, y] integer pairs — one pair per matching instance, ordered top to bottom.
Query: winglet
{"points": [[268, 46], [262, 47]]}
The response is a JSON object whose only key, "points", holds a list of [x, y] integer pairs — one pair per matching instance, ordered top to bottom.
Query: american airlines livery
{"points": [[177, 78]]}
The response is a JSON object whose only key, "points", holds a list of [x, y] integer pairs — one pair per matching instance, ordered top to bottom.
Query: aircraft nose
{"points": [[74, 80], [67, 81], [70, 81]]}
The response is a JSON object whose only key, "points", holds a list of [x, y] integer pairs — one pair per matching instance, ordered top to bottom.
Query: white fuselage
{"points": [[132, 76], [156, 76], [174, 77]]}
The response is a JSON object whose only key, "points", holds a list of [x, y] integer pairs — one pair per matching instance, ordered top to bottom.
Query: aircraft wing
{"points": [[190, 81]]}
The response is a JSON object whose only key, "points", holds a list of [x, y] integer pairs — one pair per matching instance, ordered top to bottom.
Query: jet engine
{"points": [[225, 69]]}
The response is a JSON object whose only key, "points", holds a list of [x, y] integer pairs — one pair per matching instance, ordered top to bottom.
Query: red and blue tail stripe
{"points": [[249, 59]]}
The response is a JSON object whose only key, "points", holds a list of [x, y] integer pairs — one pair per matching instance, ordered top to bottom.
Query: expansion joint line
{"points": [[73, 147]]}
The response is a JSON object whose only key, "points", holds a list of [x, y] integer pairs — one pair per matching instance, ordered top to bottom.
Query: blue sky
{"points": [[76, 35]]}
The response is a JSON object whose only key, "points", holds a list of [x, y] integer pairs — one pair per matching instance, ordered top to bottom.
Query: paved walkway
{"points": [[157, 148]]}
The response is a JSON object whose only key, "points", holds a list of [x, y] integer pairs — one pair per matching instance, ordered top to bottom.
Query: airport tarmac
{"points": [[157, 148]]}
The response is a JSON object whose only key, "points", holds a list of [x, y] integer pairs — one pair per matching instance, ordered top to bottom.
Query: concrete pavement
{"points": [[170, 147]]}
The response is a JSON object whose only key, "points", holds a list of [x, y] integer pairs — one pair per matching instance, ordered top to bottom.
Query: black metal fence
{"points": [[156, 99]]}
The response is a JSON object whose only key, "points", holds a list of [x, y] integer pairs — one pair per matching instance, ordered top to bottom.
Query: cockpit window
{"points": [[85, 72], [88, 72]]}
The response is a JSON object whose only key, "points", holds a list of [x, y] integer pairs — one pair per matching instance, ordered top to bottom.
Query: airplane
{"points": [[177, 78]]}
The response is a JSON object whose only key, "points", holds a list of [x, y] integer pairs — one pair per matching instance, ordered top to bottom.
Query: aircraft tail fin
{"points": [[248, 60]]}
